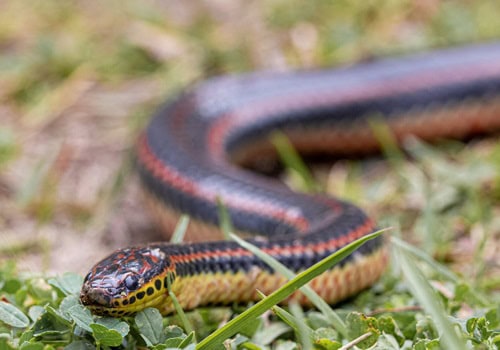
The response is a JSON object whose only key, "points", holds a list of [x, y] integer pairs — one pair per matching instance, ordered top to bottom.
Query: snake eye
{"points": [[132, 282]]}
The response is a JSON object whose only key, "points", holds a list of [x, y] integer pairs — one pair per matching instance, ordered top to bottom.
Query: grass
{"points": [[78, 83]]}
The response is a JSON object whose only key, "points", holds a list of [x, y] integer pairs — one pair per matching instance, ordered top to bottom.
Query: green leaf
{"points": [[69, 283], [11, 286], [41, 290], [66, 304], [35, 312], [11, 315], [81, 316], [493, 317], [114, 323], [407, 323], [471, 324], [49, 325], [150, 325], [358, 325], [389, 326], [426, 329], [173, 331], [266, 335], [105, 336], [26, 337], [187, 340], [496, 341], [173, 342], [386, 342], [327, 344], [80, 345], [286, 345], [427, 345], [31, 346], [249, 346]]}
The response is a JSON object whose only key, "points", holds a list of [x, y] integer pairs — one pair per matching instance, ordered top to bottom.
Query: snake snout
{"points": [[96, 296]]}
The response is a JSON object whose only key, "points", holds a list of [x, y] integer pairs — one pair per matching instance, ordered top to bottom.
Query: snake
{"points": [[205, 146]]}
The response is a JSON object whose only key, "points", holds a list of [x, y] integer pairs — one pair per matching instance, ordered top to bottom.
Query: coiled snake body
{"points": [[194, 148]]}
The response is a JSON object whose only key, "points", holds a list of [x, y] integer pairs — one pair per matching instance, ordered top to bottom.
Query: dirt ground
{"points": [[66, 170]]}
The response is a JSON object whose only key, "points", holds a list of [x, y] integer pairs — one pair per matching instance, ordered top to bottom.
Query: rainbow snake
{"points": [[197, 146]]}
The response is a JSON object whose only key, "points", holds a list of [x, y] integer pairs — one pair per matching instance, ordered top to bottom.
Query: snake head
{"points": [[127, 281]]}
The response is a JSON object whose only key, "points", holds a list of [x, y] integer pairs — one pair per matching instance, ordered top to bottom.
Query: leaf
{"points": [[69, 283], [11, 286], [41, 290], [67, 303], [35, 312], [12, 316], [81, 316], [493, 317], [114, 323], [49, 325], [150, 325], [358, 325], [389, 326], [173, 331], [271, 332], [105, 336], [187, 340], [173, 342], [386, 342], [327, 344], [79, 345], [31, 346]]}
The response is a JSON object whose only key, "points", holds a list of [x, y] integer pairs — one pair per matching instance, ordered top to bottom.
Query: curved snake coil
{"points": [[196, 146]]}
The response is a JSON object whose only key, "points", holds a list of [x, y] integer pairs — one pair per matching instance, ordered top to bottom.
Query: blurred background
{"points": [[80, 79]]}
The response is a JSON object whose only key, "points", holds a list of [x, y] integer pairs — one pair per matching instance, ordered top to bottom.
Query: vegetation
{"points": [[78, 83]]}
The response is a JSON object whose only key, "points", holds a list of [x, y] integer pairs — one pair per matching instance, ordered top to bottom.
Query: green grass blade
{"points": [[387, 141], [293, 162], [225, 223], [180, 229], [439, 268], [430, 301], [318, 302], [188, 327], [232, 327], [303, 331]]}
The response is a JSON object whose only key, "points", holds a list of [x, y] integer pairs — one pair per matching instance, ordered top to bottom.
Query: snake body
{"points": [[196, 147]]}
